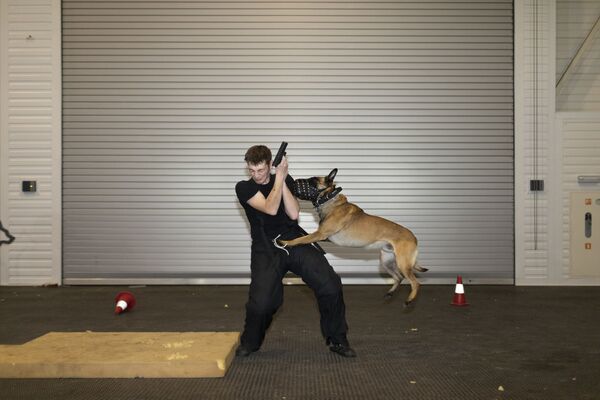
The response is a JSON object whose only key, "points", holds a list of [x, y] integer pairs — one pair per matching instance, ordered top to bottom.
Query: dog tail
{"points": [[420, 268]]}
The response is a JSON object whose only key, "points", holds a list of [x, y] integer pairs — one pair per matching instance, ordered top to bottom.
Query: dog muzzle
{"points": [[305, 191]]}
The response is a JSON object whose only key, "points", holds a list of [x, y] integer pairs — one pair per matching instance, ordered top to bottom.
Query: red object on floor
{"points": [[459, 299], [124, 301]]}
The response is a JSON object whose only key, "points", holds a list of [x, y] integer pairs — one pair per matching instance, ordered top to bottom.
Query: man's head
{"points": [[258, 159]]}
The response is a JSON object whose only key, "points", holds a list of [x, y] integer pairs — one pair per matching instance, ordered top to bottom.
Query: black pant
{"points": [[268, 266]]}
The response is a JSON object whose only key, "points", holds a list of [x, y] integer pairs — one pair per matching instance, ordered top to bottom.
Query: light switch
{"points": [[29, 186], [585, 239]]}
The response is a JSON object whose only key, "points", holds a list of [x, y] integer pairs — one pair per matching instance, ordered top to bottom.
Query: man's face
{"points": [[259, 172]]}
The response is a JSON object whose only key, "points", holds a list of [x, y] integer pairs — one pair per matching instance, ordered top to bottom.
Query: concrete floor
{"points": [[510, 343]]}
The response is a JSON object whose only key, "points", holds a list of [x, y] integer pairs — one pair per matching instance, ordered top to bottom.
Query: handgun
{"points": [[280, 154]]}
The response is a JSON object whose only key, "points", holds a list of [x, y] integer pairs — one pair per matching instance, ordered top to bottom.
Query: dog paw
{"points": [[280, 244]]}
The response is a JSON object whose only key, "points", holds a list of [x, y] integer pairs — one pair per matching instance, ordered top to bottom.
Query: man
{"points": [[272, 211]]}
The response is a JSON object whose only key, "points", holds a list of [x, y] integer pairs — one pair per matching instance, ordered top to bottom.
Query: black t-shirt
{"points": [[273, 224]]}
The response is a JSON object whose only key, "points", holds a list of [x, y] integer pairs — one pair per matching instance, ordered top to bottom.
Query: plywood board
{"points": [[121, 355]]}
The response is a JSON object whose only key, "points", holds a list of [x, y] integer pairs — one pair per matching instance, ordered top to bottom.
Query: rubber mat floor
{"points": [[509, 343]]}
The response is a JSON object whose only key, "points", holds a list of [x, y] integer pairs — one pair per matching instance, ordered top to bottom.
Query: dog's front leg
{"points": [[316, 236]]}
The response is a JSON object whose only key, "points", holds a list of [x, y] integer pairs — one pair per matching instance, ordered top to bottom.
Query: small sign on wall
{"points": [[585, 234]]}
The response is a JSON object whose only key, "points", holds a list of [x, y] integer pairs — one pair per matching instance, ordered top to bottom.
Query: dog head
{"points": [[312, 189]]}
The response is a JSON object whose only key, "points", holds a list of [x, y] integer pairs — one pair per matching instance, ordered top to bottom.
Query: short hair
{"points": [[257, 154]]}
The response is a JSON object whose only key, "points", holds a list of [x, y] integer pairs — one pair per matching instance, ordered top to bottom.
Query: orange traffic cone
{"points": [[459, 299], [125, 301]]}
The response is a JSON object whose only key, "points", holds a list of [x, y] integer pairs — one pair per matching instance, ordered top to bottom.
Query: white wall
{"points": [[575, 21], [534, 112], [577, 126], [30, 134], [30, 140], [566, 144], [579, 154]]}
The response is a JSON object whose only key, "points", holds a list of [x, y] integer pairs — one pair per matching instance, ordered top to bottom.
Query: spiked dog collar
{"points": [[325, 198]]}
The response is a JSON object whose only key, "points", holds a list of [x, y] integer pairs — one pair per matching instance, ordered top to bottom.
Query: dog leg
{"points": [[326, 229], [316, 236], [387, 259], [406, 259], [414, 286]]}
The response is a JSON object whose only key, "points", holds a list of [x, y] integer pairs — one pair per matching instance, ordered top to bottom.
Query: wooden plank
{"points": [[121, 355]]}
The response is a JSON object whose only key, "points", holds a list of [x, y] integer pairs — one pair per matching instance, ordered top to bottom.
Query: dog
{"points": [[345, 224]]}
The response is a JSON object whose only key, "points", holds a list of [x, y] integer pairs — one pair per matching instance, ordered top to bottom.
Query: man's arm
{"points": [[290, 202], [270, 204]]}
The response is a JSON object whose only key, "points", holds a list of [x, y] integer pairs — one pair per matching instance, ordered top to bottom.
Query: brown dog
{"points": [[346, 224]]}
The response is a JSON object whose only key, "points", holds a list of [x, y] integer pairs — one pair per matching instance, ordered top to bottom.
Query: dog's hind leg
{"points": [[387, 259], [406, 259]]}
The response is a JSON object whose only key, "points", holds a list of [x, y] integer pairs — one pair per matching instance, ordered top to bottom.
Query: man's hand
{"points": [[282, 168], [292, 207]]}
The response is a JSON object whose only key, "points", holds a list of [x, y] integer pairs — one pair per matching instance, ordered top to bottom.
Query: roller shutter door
{"points": [[411, 101]]}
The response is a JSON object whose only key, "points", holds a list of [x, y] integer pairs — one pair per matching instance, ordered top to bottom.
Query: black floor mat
{"points": [[510, 343]]}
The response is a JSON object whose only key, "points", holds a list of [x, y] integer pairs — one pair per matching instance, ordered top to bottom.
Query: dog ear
{"points": [[332, 175]]}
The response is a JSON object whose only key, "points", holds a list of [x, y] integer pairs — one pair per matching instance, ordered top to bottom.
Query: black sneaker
{"points": [[343, 350], [242, 351]]}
